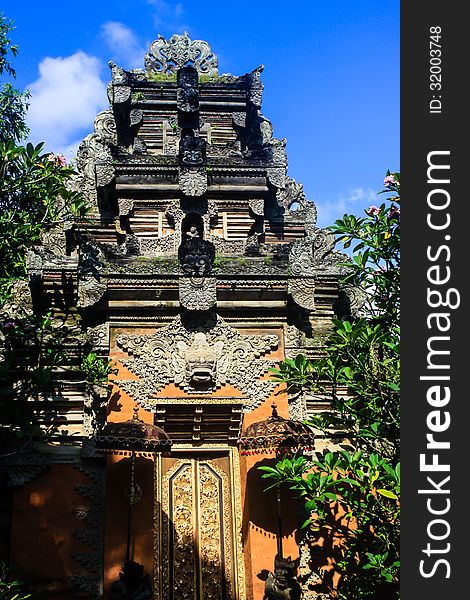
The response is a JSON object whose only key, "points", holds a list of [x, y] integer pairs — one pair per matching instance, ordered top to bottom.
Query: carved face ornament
{"points": [[201, 360]]}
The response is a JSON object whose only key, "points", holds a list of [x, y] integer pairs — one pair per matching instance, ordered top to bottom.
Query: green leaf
{"points": [[387, 494]]}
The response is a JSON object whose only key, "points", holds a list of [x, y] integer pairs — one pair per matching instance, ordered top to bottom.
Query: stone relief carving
{"points": [[167, 56], [255, 90], [187, 94], [135, 116], [239, 119], [105, 127], [192, 151], [276, 176], [192, 181], [291, 193], [126, 206], [257, 206], [155, 246], [306, 254], [196, 256], [302, 290], [90, 291], [197, 293], [355, 300], [20, 303], [98, 337], [161, 358], [22, 467], [91, 514]]}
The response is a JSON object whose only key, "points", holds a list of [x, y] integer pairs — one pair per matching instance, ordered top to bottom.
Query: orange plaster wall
{"points": [[117, 483], [259, 507], [260, 520], [42, 542]]}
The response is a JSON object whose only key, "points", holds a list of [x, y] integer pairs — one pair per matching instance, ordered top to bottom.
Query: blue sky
{"points": [[331, 76]]}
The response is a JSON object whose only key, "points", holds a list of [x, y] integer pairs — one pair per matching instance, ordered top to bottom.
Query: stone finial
{"points": [[167, 56]]}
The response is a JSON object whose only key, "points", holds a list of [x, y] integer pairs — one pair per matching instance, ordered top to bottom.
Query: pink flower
{"points": [[58, 159], [390, 181], [373, 211], [394, 211]]}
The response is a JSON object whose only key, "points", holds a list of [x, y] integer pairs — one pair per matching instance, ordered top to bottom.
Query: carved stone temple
{"points": [[199, 267]]}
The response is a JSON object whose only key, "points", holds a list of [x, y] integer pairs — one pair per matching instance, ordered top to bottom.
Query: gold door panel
{"points": [[195, 546]]}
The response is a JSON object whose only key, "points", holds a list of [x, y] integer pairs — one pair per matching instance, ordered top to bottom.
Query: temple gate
{"points": [[199, 268]]}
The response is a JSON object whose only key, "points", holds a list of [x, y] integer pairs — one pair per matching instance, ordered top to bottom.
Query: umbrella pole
{"points": [[129, 511], [279, 522]]}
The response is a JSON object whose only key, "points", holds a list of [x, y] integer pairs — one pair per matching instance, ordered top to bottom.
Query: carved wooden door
{"points": [[195, 545]]}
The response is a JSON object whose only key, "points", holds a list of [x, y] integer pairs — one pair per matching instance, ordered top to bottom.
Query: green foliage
{"points": [[6, 46], [162, 77], [137, 97], [33, 192], [32, 348], [97, 369], [356, 494], [11, 590]]}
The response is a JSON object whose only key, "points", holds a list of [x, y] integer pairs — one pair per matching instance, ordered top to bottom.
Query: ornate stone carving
{"points": [[167, 56], [118, 74], [255, 90], [187, 95], [135, 116], [239, 119], [105, 127], [192, 151], [276, 176], [192, 182], [292, 193], [126, 206], [257, 206], [311, 220], [54, 239], [155, 246], [306, 254], [196, 256], [34, 263], [302, 290], [90, 291], [197, 293], [355, 299], [20, 302], [98, 337], [160, 358], [22, 467], [92, 515], [133, 583], [282, 585]]}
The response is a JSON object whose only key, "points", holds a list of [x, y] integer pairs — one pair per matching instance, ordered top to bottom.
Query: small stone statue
{"points": [[192, 232], [132, 584], [282, 585]]}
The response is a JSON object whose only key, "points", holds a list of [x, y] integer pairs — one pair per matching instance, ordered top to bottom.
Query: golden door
{"points": [[195, 534]]}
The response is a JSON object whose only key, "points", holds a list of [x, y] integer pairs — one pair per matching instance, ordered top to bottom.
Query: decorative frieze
{"points": [[197, 293], [223, 356]]}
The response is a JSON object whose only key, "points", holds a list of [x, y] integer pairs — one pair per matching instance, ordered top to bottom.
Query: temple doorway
{"points": [[194, 524]]}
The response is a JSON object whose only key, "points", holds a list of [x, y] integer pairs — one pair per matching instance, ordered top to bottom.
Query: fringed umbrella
{"points": [[276, 434], [280, 436], [128, 438]]}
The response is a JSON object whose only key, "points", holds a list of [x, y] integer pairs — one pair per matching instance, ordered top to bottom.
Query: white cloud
{"points": [[168, 16], [124, 45], [65, 100], [354, 203]]}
